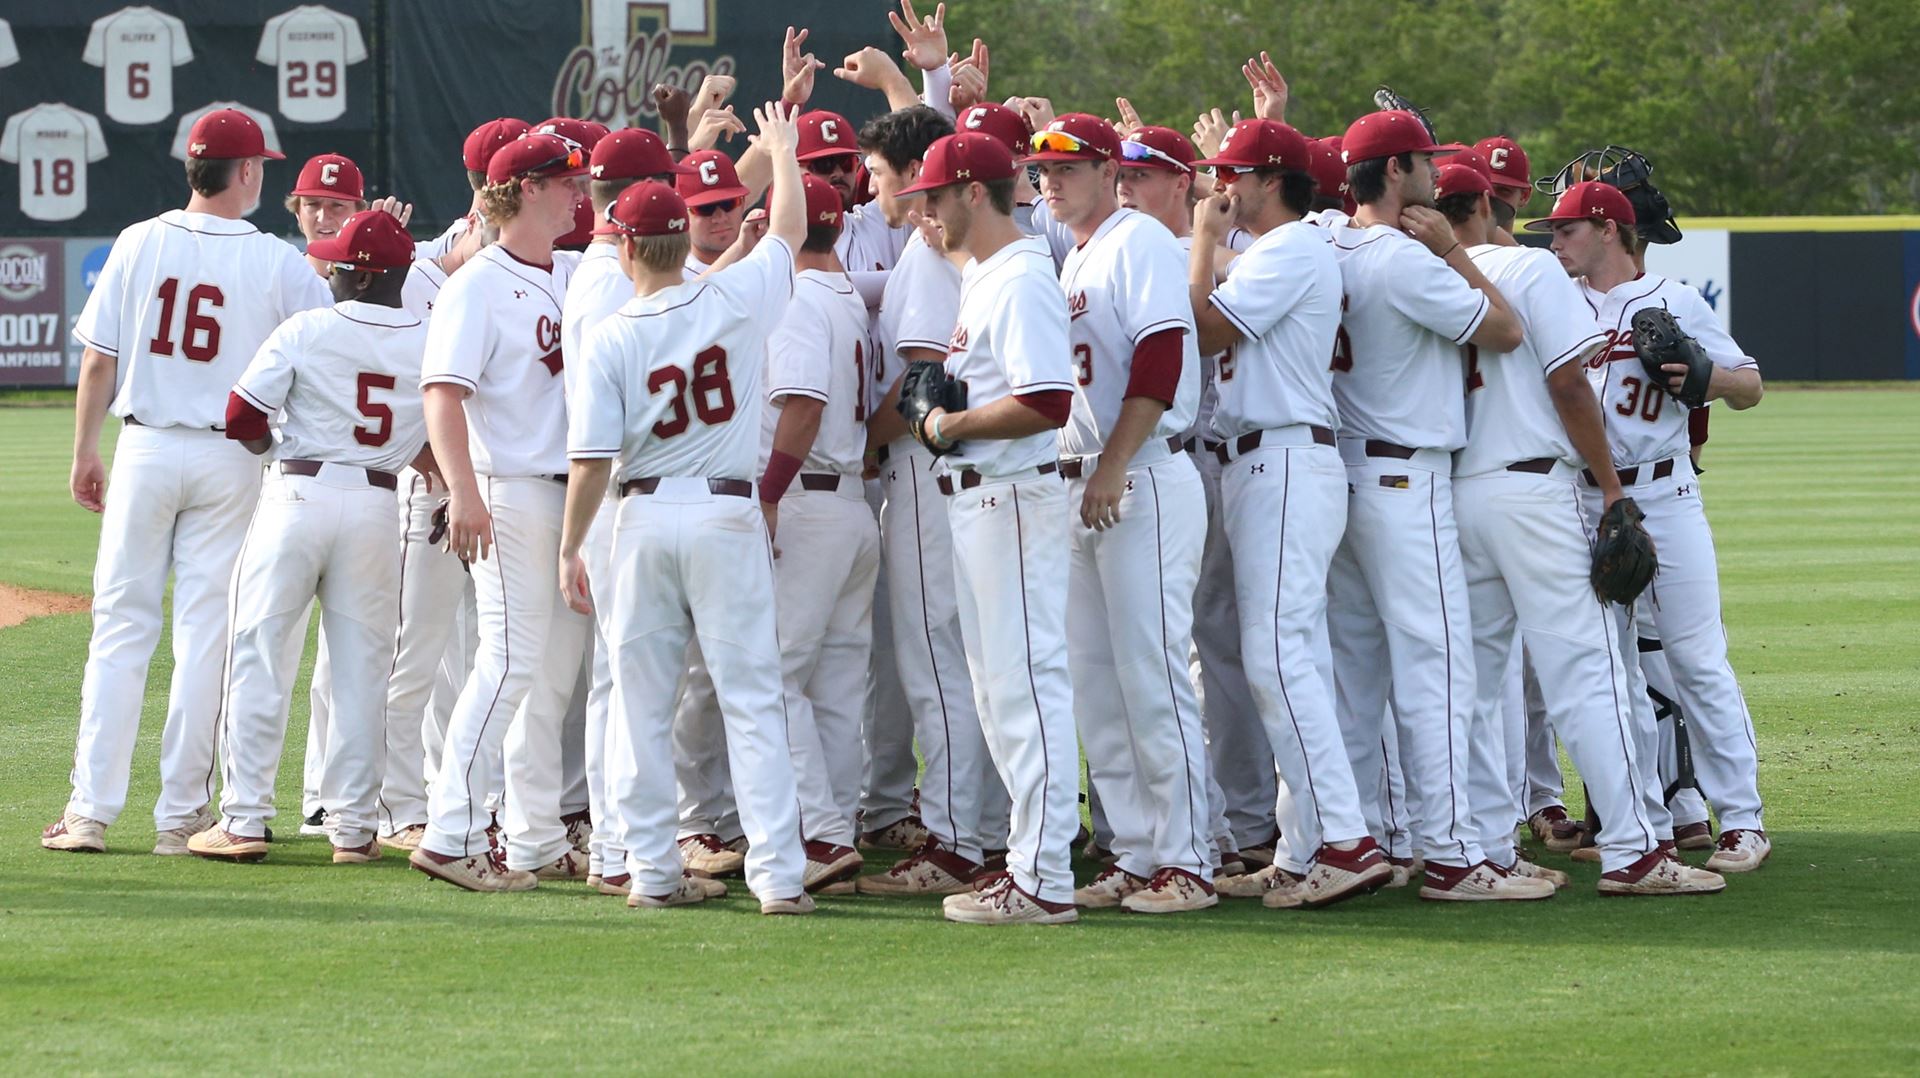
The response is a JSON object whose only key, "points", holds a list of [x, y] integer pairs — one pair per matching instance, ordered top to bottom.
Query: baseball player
{"points": [[475, 151], [1508, 172], [1411, 297], [182, 304], [667, 378], [341, 382], [496, 416], [1531, 420], [1647, 431], [1008, 510], [1141, 510], [962, 802]]}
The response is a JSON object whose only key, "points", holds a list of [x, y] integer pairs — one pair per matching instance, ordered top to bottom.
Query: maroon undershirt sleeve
{"points": [[1156, 366], [1055, 404], [245, 423], [1697, 426]]}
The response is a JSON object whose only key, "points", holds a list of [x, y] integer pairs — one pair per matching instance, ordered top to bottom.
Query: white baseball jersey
{"points": [[312, 45], [139, 48], [9, 52], [184, 129], [53, 145], [1331, 220], [1039, 221], [1238, 239], [444, 242], [867, 242], [424, 281], [1125, 284], [598, 288], [1284, 297], [183, 302], [918, 309], [496, 332], [1011, 338], [821, 350], [1396, 363], [668, 374], [347, 377], [1510, 414], [1644, 423]]}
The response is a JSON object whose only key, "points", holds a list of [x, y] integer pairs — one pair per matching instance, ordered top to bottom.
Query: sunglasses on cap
{"points": [[1057, 142], [1140, 151], [573, 158], [828, 166], [712, 208]]}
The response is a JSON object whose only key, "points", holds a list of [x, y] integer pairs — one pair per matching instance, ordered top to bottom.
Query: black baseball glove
{"points": [[1385, 99], [1659, 340], [927, 386], [1624, 560]]}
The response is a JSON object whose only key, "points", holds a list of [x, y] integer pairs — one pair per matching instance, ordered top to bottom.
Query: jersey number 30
{"points": [[712, 392]]}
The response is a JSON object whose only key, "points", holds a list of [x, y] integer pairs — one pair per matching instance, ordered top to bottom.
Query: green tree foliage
{"points": [[1744, 106]]}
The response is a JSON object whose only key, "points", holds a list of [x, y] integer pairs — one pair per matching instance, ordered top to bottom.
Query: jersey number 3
{"points": [[199, 331], [712, 392]]}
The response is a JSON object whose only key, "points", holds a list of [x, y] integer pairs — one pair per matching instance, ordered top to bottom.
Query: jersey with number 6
{"points": [[138, 48], [183, 303], [495, 331], [821, 350], [348, 380], [673, 380], [1644, 423]]}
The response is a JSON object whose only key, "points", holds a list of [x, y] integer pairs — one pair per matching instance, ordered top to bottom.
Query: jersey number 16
{"points": [[199, 331]]}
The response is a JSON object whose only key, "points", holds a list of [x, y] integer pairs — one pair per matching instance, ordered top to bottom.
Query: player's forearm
{"points": [[900, 92], [755, 170], [787, 206], [98, 373], [1740, 389], [1579, 412], [1138, 417], [1004, 419], [886, 424], [799, 425], [447, 432], [586, 488]]}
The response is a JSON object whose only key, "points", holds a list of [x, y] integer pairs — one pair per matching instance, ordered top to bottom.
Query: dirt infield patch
{"points": [[19, 604]]}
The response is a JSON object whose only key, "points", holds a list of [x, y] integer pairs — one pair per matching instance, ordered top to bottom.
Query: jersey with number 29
{"points": [[673, 383], [1644, 423]]}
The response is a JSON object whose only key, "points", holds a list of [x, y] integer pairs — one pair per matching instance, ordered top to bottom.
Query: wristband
{"points": [[1450, 250], [937, 439], [781, 468]]}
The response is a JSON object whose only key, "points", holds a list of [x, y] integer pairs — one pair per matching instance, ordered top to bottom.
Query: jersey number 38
{"points": [[712, 392]]}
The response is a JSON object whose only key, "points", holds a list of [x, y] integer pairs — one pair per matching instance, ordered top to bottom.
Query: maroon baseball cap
{"points": [[999, 121], [585, 132], [228, 134], [826, 134], [1389, 134], [1077, 136], [482, 141], [1262, 144], [1157, 147], [632, 153], [534, 156], [965, 158], [1472, 159], [1506, 160], [1324, 165], [330, 175], [709, 178], [1451, 179], [1591, 200], [823, 202], [648, 208], [582, 233], [371, 239]]}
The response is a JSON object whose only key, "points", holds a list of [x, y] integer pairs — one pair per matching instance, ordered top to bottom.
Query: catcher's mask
{"points": [[1632, 173]]}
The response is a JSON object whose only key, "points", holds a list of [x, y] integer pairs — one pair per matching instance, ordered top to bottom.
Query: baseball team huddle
{"points": [[658, 539]]}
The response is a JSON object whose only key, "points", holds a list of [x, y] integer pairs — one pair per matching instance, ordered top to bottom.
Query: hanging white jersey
{"points": [[311, 46], [139, 48], [9, 52], [184, 128], [53, 145], [867, 242], [424, 281], [1125, 284], [598, 288], [1284, 297], [183, 302], [918, 309], [495, 332], [1011, 338], [821, 350], [1396, 360], [674, 380], [345, 382], [1510, 414], [1644, 423]]}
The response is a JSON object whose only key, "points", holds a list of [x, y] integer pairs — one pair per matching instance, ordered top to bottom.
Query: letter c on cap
{"points": [[974, 117], [829, 131], [1498, 158], [330, 173], [709, 174]]}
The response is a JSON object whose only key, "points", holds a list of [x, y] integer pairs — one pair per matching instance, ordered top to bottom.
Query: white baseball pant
{"points": [[177, 499], [1358, 640], [447, 678], [889, 771], [701, 776], [603, 848]]}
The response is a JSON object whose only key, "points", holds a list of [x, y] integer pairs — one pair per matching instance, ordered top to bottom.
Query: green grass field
{"points": [[128, 962]]}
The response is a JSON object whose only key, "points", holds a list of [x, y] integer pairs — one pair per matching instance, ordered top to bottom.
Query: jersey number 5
{"points": [[199, 331], [712, 392], [381, 414]]}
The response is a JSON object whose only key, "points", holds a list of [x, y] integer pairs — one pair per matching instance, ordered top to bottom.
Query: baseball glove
{"points": [[1386, 99], [1659, 340], [927, 386], [1624, 560]]}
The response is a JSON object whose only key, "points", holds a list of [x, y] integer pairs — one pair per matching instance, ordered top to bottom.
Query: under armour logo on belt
{"points": [[1257, 469], [988, 503]]}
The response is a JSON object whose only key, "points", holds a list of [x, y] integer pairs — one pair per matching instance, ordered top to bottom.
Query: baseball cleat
{"points": [[316, 824], [579, 827], [1555, 830], [74, 833], [903, 834], [1693, 836], [407, 839], [173, 841], [219, 844], [1741, 850], [1097, 853], [357, 855], [706, 855], [994, 860], [828, 864], [1231, 864], [571, 865], [931, 870], [1532, 870], [479, 872], [1403, 872], [1660, 873], [1337, 874], [1484, 882], [616, 885], [1248, 885], [1109, 889], [1172, 890], [1283, 891], [686, 893], [1002, 902], [799, 904]]}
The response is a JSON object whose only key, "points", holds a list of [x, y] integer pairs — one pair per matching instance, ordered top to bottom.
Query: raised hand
{"points": [[926, 38], [797, 68], [870, 68], [969, 79], [1269, 88], [714, 91], [673, 105], [1038, 111], [1129, 117], [714, 125], [1210, 129], [776, 133], [400, 211]]}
